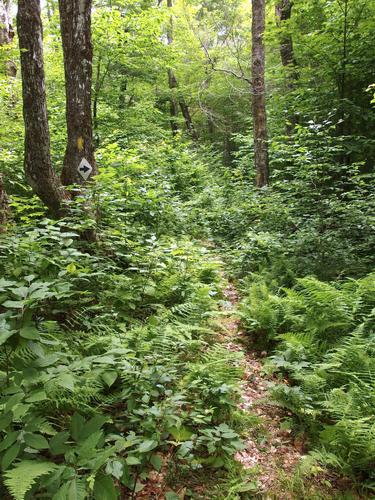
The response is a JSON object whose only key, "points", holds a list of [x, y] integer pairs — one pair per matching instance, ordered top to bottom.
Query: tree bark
{"points": [[283, 12], [75, 21], [7, 34], [173, 85], [258, 94], [173, 107], [38, 167], [4, 206]]}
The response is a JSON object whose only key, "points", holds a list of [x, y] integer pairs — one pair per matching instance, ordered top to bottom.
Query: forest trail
{"points": [[269, 448]]}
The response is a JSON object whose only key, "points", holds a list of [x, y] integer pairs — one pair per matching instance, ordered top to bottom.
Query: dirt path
{"points": [[269, 447]]}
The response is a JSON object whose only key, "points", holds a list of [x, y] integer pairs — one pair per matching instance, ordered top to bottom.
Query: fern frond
{"points": [[21, 478]]}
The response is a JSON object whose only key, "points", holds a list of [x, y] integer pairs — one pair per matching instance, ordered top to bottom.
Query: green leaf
{"points": [[14, 304], [29, 332], [5, 335], [109, 377], [66, 380], [36, 396], [5, 420], [93, 425], [76, 426], [181, 433], [8, 441], [36, 441], [57, 443], [147, 445], [10, 455], [131, 460], [156, 462], [115, 468], [22, 477], [104, 488], [75, 489], [171, 495]]}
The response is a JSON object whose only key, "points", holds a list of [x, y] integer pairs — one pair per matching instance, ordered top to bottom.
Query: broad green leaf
{"points": [[14, 304], [29, 332], [5, 335], [109, 377], [66, 380], [39, 395], [5, 420], [93, 425], [76, 426], [181, 433], [9, 440], [36, 441], [57, 443], [147, 445], [10, 455], [131, 460], [156, 462], [115, 468], [104, 488]]}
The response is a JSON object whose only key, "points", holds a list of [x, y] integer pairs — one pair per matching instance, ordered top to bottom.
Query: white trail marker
{"points": [[84, 169]]}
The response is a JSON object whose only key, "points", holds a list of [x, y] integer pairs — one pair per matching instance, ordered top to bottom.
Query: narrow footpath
{"points": [[270, 448]]}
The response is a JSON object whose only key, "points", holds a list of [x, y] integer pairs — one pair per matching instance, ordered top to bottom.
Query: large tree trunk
{"points": [[283, 14], [75, 20], [173, 85], [258, 94], [38, 168]]}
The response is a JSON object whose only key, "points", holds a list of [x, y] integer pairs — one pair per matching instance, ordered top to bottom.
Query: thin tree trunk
{"points": [[283, 14], [75, 21], [7, 34], [5, 39], [173, 85], [258, 95], [96, 100], [173, 108], [341, 128], [38, 167], [4, 206]]}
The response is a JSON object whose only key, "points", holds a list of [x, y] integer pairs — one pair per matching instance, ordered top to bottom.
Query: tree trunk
{"points": [[283, 13], [75, 21], [7, 34], [173, 85], [258, 94], [341, 127], [38, 167], [4, 206]]}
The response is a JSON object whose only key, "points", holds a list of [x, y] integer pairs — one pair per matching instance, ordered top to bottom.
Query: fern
{"points": [[21, 478]]}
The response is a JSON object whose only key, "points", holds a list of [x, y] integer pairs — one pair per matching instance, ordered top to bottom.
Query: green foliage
{"points": [[326, 347], [107, 353], [20, 479]]}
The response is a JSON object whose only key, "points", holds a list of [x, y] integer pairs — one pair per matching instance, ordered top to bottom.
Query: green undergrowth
{"points": [[322, 337], [108, 354]]}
